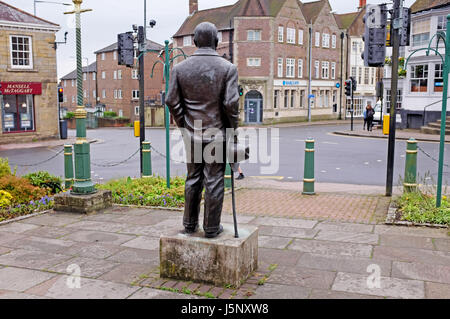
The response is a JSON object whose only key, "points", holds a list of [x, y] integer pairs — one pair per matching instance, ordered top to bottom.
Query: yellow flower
{"points": [[5, 199]]}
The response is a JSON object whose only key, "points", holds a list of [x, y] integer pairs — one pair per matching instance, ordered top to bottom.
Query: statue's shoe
{"points": [[188, 230], [214, 234]]}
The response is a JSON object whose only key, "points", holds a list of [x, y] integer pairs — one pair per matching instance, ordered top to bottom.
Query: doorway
{"points": [[253, 107]]}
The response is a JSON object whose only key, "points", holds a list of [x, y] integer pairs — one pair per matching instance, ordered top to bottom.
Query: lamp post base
{"points": [[83, 204]]}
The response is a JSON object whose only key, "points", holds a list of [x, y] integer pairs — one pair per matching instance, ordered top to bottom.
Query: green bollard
{"points": [[146, 159], [68, 166], [228, 173], [308, 181], [410, 183]]}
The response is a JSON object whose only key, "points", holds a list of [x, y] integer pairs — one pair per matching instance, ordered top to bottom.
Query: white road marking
{"points": [[330, 143], [366, 163], [338, 168], [323, 171]]}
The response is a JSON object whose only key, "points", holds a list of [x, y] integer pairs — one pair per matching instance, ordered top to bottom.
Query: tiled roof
{"points": [[421, 5], [311, 10], [9, 13], [222, 16], [345, 20], [113, 47], [86, 69]]}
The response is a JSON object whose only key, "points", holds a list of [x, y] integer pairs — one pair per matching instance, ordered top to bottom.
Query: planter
{"points": [[112, 122], [393, 218]]}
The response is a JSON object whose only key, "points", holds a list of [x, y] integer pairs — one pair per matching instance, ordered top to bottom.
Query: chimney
{"points": [[362, 4], [193, 6]]}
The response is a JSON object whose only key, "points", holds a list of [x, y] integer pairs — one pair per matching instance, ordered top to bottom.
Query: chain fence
{"points": [[164, 156], [431, 157], [39, 163], [118, 163]]}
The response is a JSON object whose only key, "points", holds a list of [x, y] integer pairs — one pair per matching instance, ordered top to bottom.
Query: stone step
{"points": [[438, 125], [433, 130]]}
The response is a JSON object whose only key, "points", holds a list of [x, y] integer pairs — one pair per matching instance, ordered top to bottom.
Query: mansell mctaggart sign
{"points": [[21, 88]]}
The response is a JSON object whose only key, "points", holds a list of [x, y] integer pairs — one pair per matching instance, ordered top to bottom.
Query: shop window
{"points": [[419, 78], [438, 78], [17, 113]]}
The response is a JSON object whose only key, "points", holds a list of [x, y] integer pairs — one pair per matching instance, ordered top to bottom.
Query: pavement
{"points": [[399, 135], [39, 144], [333, 245]]}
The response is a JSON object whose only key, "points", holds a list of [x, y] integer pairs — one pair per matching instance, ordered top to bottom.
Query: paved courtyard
{"points": [[117, 255]]}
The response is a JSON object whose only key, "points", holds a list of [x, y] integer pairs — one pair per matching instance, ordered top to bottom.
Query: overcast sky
{"points": [[110, 17]]}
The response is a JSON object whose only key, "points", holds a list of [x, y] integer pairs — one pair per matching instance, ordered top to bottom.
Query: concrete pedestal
{"points": [[83, 204], [224, 260]]}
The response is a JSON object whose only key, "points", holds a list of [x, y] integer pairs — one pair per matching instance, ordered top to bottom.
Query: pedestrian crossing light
{"points": [[375, 24], [125, 48], [348, 88], [241, 91], [60, 95]]}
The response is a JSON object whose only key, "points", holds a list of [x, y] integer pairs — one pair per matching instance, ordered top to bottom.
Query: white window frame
{"points": [[424, 27], [280, 34], [253, 35], [290, 35], [220, 36], [300, 36], [317, 39], [325, 40], [187, 41], [333, 41], [30, 52], [115, 55], [103, 56], [253, 62], [280, 67], [290, 67], [300, 68], [316, 69], [325, 70], [333, 70], [119, 74], [134, 74], [103, 75], [115, 75], [84, 76], [94, 76], [425, 77], [65, 83], [73, 83], [94, 94], [104, 94], [115, 94], [119, 94], [135, 94], [73, 99], [136, 110]]}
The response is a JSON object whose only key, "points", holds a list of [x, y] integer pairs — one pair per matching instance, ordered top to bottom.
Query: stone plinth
{"points": [[83, 204], [224, 260]]}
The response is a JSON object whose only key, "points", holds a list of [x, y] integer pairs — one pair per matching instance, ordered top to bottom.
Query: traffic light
{"points": [[375, 22], [405, 30], [125, 48], [354, 83], [348, 88], [241, 90], [60, 95]]}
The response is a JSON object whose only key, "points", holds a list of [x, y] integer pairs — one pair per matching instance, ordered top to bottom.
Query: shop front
{"points": [[17, 102]]}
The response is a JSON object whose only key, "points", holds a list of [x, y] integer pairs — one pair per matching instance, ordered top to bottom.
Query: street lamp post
{"points": [[83, 184]]}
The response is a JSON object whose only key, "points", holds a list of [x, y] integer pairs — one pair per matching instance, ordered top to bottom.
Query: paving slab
{"points": [[51, 219], [148, 219], [228, 219], [284, 222], [97, 226], [345, 227], [17, 228], [143, 230], [412, 231], [49, 232], [290, 232], [6, 237], [98, 237], [347, 237], [406, 241], [143, 242], [273, 242], [442, 244], [48, 245], [331, 248], [4, 250], [92, 250], [412, 255], [137, 256], [279, 257], [31, 259], [343, 264], [89, 267], [425, 272], [127, 273], [303, 277], [16, 279], [389, 287], [89, 289], [275, 291], [437, 291], [149, 293], [6, 294], [329, 294]]}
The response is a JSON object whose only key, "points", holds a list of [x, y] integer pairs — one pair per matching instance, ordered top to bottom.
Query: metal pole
{"points": [[34, 3], [145, 19], [395, 25], [342, 71], [310, 72], [141, 91], [353, 104], [166, 111], [443, 115], [309, 179], [410, 183], [233, 200]]}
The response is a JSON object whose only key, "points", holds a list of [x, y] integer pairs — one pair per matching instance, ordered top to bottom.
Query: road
{"points": [[339, 159]]}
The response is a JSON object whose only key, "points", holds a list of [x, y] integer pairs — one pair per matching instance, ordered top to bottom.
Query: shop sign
{"points": [[21, 88]]}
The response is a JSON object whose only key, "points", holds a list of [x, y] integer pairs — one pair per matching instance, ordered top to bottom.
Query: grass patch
{"points": [[150, 191], [420, 207]]}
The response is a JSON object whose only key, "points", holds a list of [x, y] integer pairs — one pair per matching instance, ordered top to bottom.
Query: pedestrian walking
{"points": [[370, 112], [365, 119], [241, 174]]}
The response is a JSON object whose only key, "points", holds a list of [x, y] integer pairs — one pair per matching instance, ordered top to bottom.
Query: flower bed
{"points": [[146, 191], [420, 207]]}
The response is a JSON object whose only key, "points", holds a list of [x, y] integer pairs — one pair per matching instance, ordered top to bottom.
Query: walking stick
{"points": [[236, 234]]}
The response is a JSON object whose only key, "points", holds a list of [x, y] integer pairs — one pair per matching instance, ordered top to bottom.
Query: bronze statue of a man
{"points": [[204, 95]]}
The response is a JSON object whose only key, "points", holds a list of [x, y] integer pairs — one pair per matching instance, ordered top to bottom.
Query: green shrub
{"points": [[109, 114], [69, 115], [5, 169], [45, 180], [21, 189], [147, 191], [420, 207]]}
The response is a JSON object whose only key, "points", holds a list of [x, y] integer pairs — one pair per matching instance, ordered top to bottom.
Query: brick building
{"points": [[269, 41], [28, 76], [116, 87]]}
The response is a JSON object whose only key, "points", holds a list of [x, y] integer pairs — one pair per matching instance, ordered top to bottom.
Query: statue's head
{"points": [[205, 36]]}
